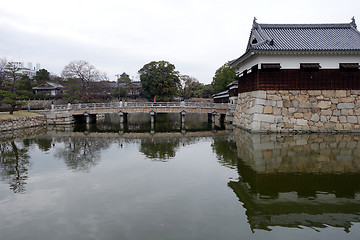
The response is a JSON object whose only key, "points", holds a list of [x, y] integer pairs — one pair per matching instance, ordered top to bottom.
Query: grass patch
{"points": [[18, 115]]}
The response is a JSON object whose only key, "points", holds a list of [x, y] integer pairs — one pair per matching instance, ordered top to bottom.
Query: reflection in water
{"points": [[160, 149], [81, 153], [14, 163], [283, 180], [298, 180]]}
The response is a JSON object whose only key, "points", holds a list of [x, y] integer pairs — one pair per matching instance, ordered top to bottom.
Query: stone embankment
{"points": [[306, 110], [7, 124]]}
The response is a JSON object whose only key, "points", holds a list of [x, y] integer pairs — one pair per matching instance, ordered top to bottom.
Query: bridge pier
{"points": [[121, 115], [152, 116], [182, 116], [87, 117]]}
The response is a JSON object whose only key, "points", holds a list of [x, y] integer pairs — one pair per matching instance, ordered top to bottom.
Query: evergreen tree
{"points": [[159, 80]]}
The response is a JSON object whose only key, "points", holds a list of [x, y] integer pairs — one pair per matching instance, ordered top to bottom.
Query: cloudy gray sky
{"points": [[197, 36]]}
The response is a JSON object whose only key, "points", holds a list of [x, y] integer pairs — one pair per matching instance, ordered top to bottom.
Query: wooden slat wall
{"points": [[296, 79]]}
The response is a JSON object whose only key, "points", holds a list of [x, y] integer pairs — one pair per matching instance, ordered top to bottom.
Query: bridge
{"points": [[65, 114]]}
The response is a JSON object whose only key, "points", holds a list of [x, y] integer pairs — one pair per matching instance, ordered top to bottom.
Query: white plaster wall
{"points": [[293, 61]]}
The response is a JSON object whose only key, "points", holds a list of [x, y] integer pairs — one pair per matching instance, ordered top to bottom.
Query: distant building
{"points": [[28, 71], [124, 77], [49, 88], [228, 96]]}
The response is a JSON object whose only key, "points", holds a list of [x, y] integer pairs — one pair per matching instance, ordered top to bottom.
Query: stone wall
{"points": [[305, 110], [59, 118], [18, 123]]}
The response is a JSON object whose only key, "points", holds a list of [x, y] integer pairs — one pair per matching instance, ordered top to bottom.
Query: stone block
{"points": [[294, 92], [314, 92], [328, 93], [340, 93], [258, 94], [274, 97], [334, 100], [347, 100], [287, 103], [295, 103], [324, 104], [345, 105], [256, 109], [268, 110], [276, 111], [326, 112], [344, 112], [336, 113], [298, 115], [307, 115], [315, 117], [264, 118], [323, 118], [334, 119], [342, 119], [352, 119], [301, 122], [329, 125], [255, 126], [265, 126], [347, 126], [339, 127]]}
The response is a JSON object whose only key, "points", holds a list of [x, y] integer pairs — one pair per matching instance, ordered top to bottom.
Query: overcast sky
{"points": [[116, 36]]}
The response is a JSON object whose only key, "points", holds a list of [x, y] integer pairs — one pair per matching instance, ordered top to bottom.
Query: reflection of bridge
{"points": [[63, 114]]}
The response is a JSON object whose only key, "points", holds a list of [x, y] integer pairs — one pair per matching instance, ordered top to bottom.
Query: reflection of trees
{"points": [[44, 143], [160, 149], [226, 151], [81, 154], [14, 163]]}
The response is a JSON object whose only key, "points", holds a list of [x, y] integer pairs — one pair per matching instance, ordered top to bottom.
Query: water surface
{"points": [[217, 184]]}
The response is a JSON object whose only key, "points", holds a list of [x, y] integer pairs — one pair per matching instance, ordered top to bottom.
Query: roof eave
{"points": [[242, 58]]}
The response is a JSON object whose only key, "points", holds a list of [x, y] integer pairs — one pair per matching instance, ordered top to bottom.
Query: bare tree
{"points": [[3, 64], [84, 71], [87, 74]]}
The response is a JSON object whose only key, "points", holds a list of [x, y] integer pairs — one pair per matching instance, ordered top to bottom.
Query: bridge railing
{"points": [[84, 106]]}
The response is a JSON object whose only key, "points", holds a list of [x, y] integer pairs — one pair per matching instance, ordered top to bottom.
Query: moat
{"points": [[170, 181]]}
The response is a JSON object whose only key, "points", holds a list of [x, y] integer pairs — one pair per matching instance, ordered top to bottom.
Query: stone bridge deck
{"points": [[131, 107], [65, 114]]}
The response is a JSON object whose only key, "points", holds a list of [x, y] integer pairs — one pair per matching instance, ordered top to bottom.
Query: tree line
{"points": [[160, 81]]}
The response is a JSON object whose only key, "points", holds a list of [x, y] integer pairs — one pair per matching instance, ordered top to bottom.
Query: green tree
{"points": [[42, 76], [223, 77], [124, 78], [160, 80], [190, 87], [12, 91], [206, 91], [120, 92]]}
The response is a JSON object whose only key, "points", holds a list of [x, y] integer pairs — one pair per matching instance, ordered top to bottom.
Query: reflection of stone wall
{"points": [[306, 110], [306, 153]]}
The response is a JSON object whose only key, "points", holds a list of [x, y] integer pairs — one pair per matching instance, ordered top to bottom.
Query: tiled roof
{"points": [[304, 37], [48, 86]]}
